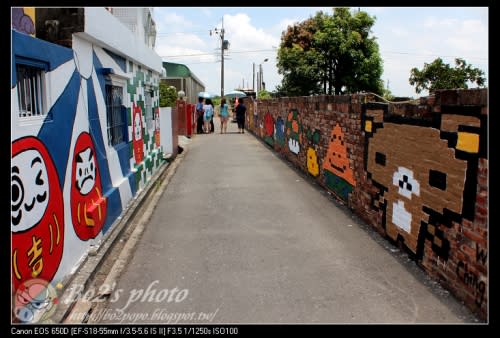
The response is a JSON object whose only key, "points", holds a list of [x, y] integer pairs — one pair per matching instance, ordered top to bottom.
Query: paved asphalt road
{"points": [[240, 237]]}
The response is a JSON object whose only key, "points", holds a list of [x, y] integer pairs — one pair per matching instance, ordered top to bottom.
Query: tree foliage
{"points": [[330, 54], [438, 75], [264, 94], [168, 95]]}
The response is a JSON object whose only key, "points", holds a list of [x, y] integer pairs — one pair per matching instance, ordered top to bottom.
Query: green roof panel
{"points": [[176, 70]]}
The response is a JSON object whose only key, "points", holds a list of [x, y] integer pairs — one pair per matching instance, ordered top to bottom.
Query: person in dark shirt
{"points": [[199, 116], [240, 116]]}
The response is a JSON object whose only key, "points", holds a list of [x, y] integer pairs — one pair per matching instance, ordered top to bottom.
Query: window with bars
{"points": [[30, 90], [148, 107], [115, 115]]}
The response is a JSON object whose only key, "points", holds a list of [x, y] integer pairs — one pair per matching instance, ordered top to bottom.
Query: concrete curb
{"points": [[93, 262]]}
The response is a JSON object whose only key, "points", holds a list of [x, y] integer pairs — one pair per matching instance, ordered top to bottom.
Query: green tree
{"points": [[330, 54], [439, 75], [264, 94], [168, 95]]}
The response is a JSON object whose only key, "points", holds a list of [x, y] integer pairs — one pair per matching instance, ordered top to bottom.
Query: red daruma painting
{"points": [[88, 206], [37, 219]]}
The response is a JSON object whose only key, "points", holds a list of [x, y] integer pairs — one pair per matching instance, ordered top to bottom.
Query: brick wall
{"points": [[416, 172]]}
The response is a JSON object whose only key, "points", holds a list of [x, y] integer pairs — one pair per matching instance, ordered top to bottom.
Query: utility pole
{"points": [[223, 45], [222, 60], [253, 81]]}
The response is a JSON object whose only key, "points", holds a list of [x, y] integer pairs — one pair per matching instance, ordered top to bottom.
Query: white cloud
{"points": [[206, 12], [166, 19], [433, 22], [400, 32], [244, 36]]}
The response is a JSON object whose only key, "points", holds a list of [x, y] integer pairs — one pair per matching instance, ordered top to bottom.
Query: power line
{"points": [[178, 33], [235, 52]]}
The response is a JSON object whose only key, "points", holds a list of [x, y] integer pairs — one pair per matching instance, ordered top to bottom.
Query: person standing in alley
{"points": [[235, 104], [208, 114], [224, 115], [199, 116], [240, 116], [212, 128]]}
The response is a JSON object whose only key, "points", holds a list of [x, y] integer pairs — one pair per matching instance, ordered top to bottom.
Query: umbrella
{"points": [[235, 93], [206, 95]]}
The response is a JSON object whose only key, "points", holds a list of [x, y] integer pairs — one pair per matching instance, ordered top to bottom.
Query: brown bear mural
{"points": [[426, 172]]}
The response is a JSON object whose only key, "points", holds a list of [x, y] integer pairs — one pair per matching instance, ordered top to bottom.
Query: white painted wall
{"points": [[104, 28], [166, 130]]}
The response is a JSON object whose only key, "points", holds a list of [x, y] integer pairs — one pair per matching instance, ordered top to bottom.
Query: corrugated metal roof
{"points": [[176, 70]]}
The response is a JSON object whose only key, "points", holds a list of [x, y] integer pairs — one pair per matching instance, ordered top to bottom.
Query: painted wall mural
{"points": [[23, 19], [141, 82], [157, 127], [269, 129], [279, 131], [294, 131], [138, 140], [312, 157], [426, 174], [339, 176], [424, 178], [69, 185], [88, 205], [37, 219]]}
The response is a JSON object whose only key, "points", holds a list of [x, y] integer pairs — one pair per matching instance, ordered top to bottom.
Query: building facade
{"points": [[181, 77], [85, 135]]}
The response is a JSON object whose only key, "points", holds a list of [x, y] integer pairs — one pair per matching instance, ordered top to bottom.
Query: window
{"points": [[30, 90], [149, 110], [115, 115]]}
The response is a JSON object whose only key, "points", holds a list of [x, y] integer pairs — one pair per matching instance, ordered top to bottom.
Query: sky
{"points": [[408, 37]]}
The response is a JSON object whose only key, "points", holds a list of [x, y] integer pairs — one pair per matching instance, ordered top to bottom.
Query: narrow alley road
{"points": [[240, 237]]}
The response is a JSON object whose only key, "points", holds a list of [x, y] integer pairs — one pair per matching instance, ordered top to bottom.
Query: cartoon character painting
{"points": [[23, 19], [157, 127], [268, 129], [279, 131], [293, 131], [137, 140], [312, 156], [339, 176], [422, 176], [88, 205], [37, 212], [35, 301]]}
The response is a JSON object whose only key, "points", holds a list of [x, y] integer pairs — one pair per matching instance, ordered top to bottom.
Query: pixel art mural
{"points": [[268, 129], [279, 131], [294, 131], [312, 156], [426, 173], [339, 176]]}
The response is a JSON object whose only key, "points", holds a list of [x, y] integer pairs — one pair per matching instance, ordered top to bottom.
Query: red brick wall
{"points": [[416, 172]]}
